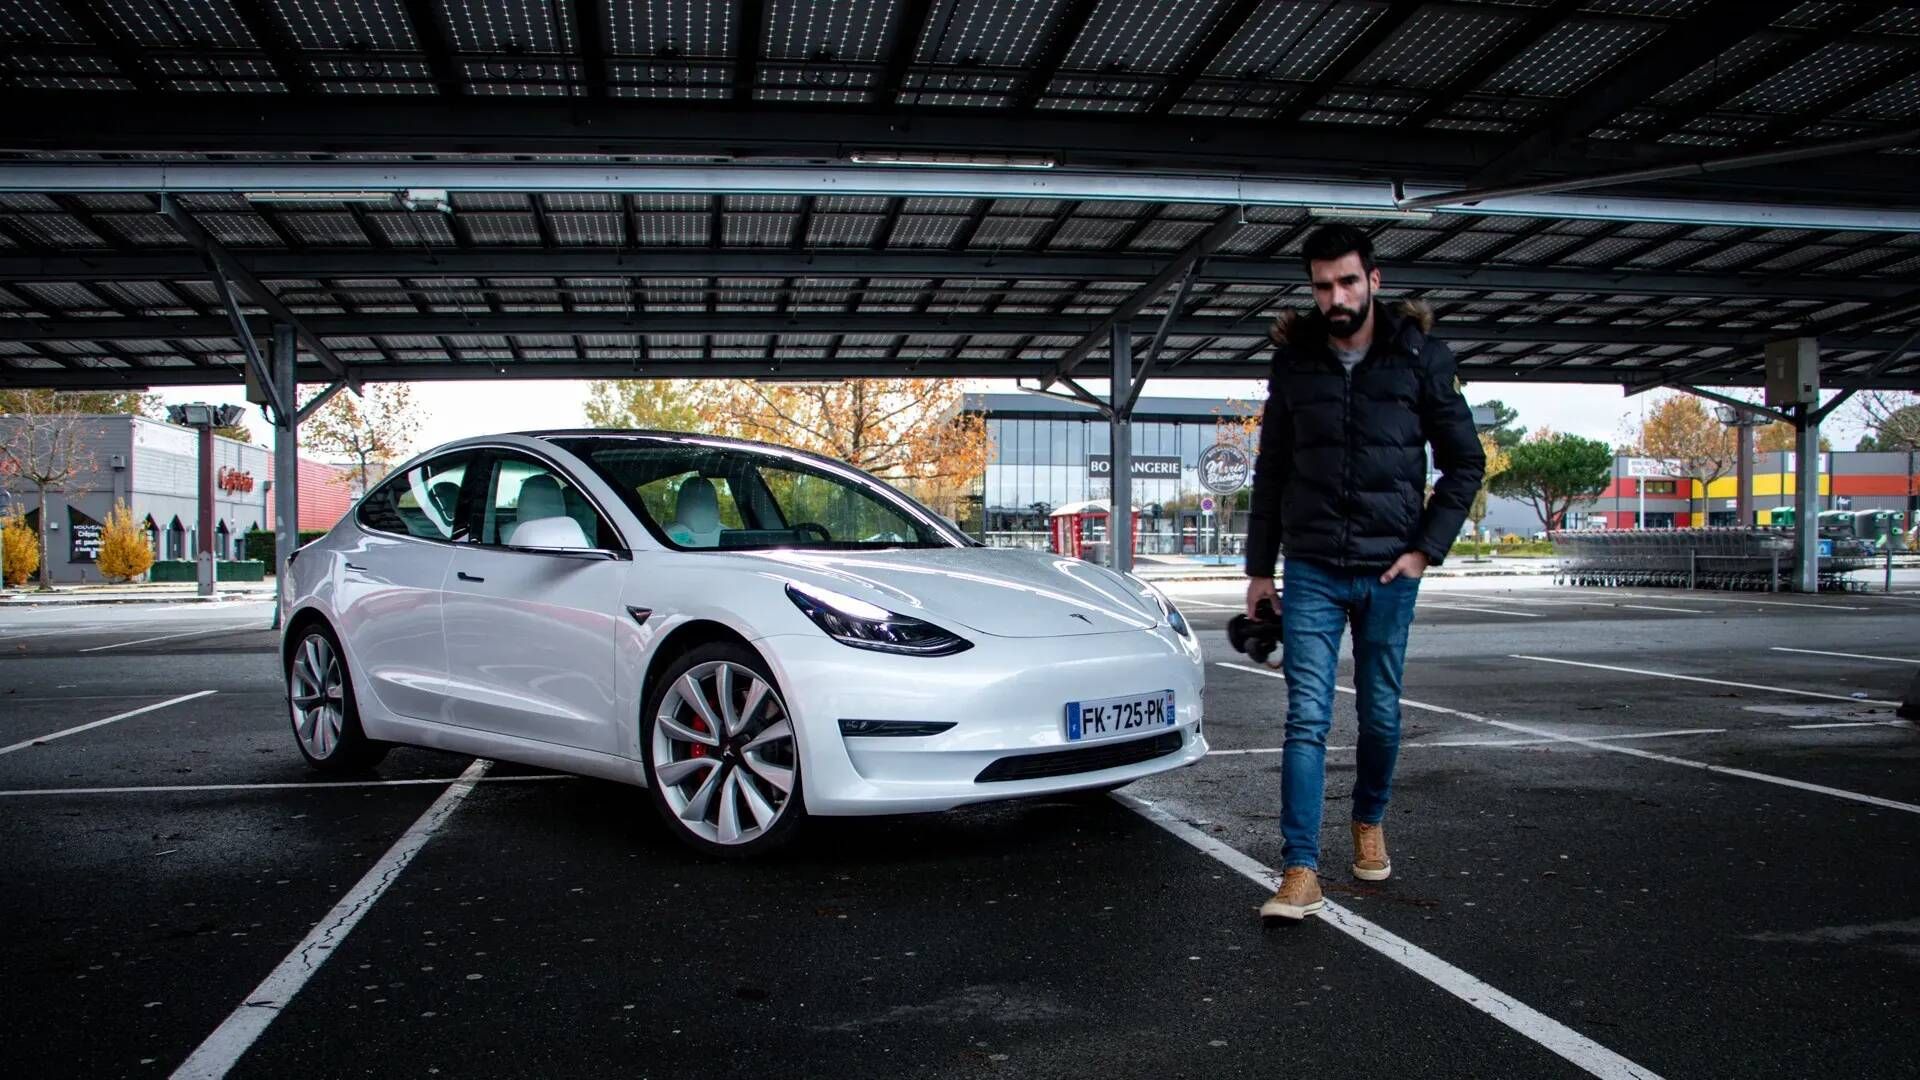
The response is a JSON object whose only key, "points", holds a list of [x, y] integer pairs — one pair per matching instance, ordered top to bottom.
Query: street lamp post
{"points": [[203, 418], [1743, 422]]}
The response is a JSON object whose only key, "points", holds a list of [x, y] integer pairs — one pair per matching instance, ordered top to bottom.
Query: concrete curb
{"points": [[34, 600]]}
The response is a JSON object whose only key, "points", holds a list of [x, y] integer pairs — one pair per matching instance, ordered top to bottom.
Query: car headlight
{"points": [[1174, 618], [866, 626]]}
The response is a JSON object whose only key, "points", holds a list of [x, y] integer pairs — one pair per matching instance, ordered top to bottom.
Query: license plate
{"points": [[1106, 718]]}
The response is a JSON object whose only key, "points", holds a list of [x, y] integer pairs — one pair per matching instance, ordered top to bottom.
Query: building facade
{"points": [[1049, 453], [151, 467], [1849, 480]]}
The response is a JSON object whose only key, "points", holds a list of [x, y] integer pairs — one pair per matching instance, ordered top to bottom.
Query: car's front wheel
{"points": [[326, 720], [723, 763]]}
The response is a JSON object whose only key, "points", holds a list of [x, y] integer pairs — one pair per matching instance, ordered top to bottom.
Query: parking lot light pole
{"points": [[203, 418], [1743, 422]]}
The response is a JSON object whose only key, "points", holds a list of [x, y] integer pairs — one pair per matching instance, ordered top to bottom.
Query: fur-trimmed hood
{"points": [[1308, 329]]}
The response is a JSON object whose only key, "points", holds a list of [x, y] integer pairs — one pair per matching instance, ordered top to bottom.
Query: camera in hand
{"points": [[1258, 637]]}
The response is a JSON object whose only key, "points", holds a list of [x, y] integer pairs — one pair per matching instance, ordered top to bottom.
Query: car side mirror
{"points": [[558, 535]]}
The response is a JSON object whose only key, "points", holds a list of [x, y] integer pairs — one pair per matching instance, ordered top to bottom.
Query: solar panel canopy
{"points": [[100, 288]]}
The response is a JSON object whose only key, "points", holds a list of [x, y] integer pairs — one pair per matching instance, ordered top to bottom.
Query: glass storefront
{"points": [[1043, 452]]}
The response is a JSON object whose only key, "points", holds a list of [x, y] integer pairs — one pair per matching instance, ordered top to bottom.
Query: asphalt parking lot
{"points": [[1635, 833]]}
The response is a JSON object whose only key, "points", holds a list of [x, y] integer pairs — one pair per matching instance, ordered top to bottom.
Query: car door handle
{"points": [[357, 566], [464, 576]]}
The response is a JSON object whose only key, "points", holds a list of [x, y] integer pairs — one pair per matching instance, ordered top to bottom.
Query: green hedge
{"points": [[259, 543], [1531, 549], [182, 570]]}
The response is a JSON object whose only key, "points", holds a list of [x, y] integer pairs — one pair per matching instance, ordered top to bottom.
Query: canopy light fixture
{"points": [[976, 161], [271, 197], [1369, 213]]}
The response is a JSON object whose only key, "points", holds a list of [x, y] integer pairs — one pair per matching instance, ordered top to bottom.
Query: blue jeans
{"points": [[1318, 604]]}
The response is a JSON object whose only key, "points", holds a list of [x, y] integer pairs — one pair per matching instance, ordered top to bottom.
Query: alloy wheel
{"points": [[318, 697], [723, 754]]}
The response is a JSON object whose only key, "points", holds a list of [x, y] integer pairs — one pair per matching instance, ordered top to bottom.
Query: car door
{"points": [[389, 598], [531, 635]]}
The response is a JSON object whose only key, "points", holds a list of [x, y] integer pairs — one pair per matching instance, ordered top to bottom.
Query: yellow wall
{"points": [[1728, 487]]}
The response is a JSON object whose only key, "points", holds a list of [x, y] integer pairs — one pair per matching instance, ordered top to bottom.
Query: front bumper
{"points": [[1006, 699]]}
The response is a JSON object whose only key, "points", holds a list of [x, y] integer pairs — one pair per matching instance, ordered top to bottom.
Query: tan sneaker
{"points": [[1370, 862], [1299, 895]]}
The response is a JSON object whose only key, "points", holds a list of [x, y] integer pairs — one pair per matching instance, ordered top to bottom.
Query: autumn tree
{"points": [[102, 403], [657, 404], [1892, 418], [376, 428], [1681, 428], [908, 432], [1779, 437], [46, 446], [1497, 461], [1554, 472], [19, 552], [124, 554]]}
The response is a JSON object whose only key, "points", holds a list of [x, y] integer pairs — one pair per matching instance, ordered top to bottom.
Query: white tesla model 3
{"points": [[752, 633]]}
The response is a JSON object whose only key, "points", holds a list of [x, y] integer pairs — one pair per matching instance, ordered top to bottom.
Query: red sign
{"points": [[232, 480]]}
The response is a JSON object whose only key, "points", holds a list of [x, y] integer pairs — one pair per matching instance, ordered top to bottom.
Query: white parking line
{"points": [[1696, 598], [1182, 601], [1588, 603], [1482, 610], [50, 633], [170, 637], [1847, 655], [1709, 682], [1852, 723], [37, 740], [1465, 743], [1632, 751], [318, 785], [1522, 1018], [223, 1049]]}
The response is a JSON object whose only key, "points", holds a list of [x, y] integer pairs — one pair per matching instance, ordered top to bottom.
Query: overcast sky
{"points": [[455, 410]]}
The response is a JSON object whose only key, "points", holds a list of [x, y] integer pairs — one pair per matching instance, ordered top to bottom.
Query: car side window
{"points": [[521, 489], [424, 501]]}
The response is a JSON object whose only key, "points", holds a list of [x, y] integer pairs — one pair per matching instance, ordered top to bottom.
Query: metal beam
{"points": [[425, 23], [749, 25], [909, 25], [1383, 27], [1533, 27], [1066, 29], [592, 30], [1681, 49], [282, 52], [1201, 55], [126, 58], [453, 123], [1858, 144], [1890, 214], [1198, 248], [1075, 266], [255, 290], [1533, 331], [130, 378], [1773, 414]]}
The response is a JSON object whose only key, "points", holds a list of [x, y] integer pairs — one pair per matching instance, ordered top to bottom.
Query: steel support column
{"points": [[286, 464], [1743, 472], [1806, 500], [1120, 520]]}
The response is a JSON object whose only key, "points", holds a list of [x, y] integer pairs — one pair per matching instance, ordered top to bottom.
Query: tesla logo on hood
{"points": [[1082, 618]]}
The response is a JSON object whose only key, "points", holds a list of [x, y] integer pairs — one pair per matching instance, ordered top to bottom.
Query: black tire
{"points": [[317, 651], [734, 755]]}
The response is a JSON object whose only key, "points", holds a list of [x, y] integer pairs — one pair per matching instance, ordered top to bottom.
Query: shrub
{"points": [[259, 543], [22, 549], [124, 554]]}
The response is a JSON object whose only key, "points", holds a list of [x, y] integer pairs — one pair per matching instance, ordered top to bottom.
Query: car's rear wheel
{"points": [[326, 720], [723, 762]]}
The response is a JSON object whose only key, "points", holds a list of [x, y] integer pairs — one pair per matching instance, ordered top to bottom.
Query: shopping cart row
{"points": [[1750, 559]]}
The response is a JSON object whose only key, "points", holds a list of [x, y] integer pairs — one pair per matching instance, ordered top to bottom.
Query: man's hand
{"points": [[1412, 564], [1258, 589]]}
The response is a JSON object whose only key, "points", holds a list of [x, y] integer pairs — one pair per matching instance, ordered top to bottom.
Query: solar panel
{"points": [[168, 22], [507, 26]]}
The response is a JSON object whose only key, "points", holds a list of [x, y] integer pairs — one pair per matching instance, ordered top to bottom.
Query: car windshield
{"points": [[694, 494]]}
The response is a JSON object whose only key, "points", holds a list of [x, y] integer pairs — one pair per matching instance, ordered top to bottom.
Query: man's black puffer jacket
{"points": [[1341, 477]]}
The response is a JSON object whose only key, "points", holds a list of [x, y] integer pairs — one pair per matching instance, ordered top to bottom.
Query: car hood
{"points": [[997, 591]]}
